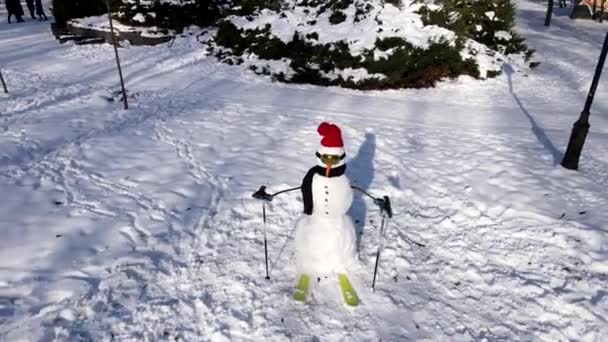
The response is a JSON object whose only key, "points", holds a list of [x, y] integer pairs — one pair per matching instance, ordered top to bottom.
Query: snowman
{"points": [[325, 239]]}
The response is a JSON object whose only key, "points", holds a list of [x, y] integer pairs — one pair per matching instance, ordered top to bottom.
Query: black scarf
{"points": [[307, 184]]}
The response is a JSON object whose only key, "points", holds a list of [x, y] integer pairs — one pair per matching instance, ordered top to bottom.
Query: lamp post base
{"points": [[575, 145]]}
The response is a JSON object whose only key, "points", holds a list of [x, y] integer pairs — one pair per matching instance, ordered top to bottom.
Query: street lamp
{"points": [[581, 126]]}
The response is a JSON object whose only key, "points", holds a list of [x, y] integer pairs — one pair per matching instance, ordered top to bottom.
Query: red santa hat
{"points": [[332, 139]]}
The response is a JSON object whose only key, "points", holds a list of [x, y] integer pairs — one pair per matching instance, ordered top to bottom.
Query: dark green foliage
{"points": [[310, 3], [339, 4], [334, 5], [65, 10], [362, 11], [359, 14], [172, 16], [463, 16], [337, 17], [229, 35], [313, 35], [256, 41], [272, 48], [528, 55], [326, 56], [410, 66]]}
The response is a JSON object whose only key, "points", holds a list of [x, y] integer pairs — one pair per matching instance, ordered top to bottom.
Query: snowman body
{"points": [[325, 238]]}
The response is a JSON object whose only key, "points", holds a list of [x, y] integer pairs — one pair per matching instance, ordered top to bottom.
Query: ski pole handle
{"points": [[262, 194], [385, 205], [265, 240]]}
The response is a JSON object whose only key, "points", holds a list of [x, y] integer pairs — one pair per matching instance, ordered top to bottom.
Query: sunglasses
{"points": [[327, 158]]}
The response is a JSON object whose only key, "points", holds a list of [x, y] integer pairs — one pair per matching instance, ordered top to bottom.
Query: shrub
{"points": [[478, 20], [229, 35], [312, 35], [410, 66], [407, 67]]}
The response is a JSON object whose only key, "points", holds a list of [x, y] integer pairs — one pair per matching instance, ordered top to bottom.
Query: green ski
{"points": [[302, 288], [349, 294]]}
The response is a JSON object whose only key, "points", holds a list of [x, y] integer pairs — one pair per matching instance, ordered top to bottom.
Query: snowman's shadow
{"points": [[360, 171]]}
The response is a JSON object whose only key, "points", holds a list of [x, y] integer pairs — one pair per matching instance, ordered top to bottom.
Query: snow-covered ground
{"points": [[139, 225]]}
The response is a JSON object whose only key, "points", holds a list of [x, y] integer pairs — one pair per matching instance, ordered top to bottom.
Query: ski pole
{"points": [[284, 191], [364, 192], [387, 213], [382, 230], [265, 239]]}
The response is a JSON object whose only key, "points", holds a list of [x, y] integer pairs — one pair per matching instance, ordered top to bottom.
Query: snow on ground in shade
{"points": [[139, 224]]}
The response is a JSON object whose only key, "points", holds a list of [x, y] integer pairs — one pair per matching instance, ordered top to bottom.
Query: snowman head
{"points": [[331, 152]]}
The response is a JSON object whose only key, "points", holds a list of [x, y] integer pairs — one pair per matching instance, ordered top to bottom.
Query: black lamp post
{"points": [[549, 13], [122, 82], [581, 126]]}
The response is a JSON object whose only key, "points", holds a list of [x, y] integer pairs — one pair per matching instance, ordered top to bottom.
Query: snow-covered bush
{"points": [[489, 22], [372, 44], [322, 64]]}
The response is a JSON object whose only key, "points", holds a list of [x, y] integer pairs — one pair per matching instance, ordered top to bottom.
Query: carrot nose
{"points": [[328, 168]]}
